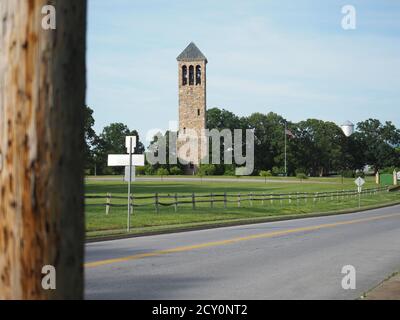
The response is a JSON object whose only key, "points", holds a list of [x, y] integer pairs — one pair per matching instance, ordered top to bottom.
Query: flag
{"points": [[289, 133]]}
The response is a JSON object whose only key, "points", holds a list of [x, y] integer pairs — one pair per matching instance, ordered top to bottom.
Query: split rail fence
{"points": [[193, 200]]}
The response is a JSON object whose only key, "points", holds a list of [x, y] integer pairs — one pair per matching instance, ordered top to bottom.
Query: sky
{"points": [[289, 57]]}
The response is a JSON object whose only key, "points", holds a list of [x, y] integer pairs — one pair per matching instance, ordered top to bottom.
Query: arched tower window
{"points": [[184, 75], [198, 75], [191, 76]]}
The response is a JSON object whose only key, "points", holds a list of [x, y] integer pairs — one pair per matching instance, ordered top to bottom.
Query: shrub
{"points": [[140, 170], [149, 170], [206, 170], [229, 170], [301, 170], [387, 170], [175, 171], [276, 171], [162, 172], [265, 174], [348, 174], [361, 174], [301, 176]]}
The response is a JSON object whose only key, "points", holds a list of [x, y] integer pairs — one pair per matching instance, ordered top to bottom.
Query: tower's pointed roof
{"points": [[191, 53]]}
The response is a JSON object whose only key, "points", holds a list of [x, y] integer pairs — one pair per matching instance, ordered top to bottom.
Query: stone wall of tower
{"points": [[192, 99], [192, 104]]}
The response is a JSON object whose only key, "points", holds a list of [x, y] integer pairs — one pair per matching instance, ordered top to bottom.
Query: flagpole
{"points": [[285, 149]]}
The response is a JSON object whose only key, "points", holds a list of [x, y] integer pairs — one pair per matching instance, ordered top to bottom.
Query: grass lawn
{"points": [[145, 218]]}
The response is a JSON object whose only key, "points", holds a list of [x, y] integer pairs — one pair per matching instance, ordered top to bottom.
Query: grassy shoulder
{"points": [[146, 219]]}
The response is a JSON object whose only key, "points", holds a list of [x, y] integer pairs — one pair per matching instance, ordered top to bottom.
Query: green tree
{"points": [[221, 119], [269, 132], [91, 139], [112, 141], [380, 142], [318, 147], [162, 172], [265, 174]]}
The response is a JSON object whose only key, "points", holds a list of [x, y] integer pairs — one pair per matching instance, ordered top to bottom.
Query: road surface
{"points": [[297, 259]]}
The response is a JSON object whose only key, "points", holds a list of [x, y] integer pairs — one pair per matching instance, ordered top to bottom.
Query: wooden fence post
{"points": [[212, 200], [225, 200], [239, 200], [193, 201], [156, 202], [108, 203], [132, 205]]}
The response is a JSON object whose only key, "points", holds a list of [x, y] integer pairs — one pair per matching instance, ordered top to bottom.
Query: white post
{"points": [[285, 149], [395, 178], [129, 185]]}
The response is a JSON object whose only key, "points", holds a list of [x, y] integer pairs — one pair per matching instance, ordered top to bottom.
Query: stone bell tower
{"points": [[192, 97]]}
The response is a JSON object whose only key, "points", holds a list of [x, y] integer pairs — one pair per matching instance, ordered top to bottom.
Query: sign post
{"points": [[130, 160], [129, 183], [359, 183]]}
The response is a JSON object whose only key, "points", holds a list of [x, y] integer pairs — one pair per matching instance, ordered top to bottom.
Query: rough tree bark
{"points": [[42, 95]]}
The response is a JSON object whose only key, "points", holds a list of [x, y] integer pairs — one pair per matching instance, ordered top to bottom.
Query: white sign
{"points": [[128, 143], [122, 160], [127, 160], [398, 175], [133, 177], [359, 182]]}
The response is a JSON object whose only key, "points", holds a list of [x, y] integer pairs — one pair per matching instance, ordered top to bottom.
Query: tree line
{"points": [[314, 147]]}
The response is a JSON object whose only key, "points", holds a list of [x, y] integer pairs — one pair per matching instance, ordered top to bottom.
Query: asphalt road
{"points": [[297, 259]]}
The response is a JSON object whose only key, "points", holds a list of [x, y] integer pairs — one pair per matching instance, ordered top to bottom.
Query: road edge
{"points": [[232, 223], [384, 290]]}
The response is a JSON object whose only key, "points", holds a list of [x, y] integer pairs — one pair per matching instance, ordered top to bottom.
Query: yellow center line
{"points": [[233, 240]]}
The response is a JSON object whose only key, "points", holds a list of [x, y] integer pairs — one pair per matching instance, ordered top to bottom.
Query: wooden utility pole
{"points": [[42, 96]]}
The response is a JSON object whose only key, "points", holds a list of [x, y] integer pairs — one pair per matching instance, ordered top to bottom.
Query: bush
{"points": [[141, 170], [149, 170], [206, 170], [229, 170], [387, 170], [175, 171], [277, 171], [301, 171], [162, 172], [265, 173], [348, 174], [361, 174], [301, 176]]}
